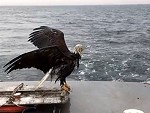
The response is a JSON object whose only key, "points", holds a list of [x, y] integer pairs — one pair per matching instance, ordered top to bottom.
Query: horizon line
{"points": [[76, 4]]}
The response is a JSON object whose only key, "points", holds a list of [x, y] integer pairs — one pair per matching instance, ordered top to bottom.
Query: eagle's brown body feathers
{"points": [[52, 53]]}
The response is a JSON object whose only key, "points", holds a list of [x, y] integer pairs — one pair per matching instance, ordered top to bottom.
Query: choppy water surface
{"points": [[116, 38]]}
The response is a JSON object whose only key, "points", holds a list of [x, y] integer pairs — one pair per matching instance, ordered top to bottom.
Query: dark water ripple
{"points": [[117, 39]]}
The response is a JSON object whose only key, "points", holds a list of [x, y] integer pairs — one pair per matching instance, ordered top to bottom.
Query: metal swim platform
{"points": [[94, 97]]}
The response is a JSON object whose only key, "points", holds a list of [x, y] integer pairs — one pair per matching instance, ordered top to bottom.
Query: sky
{"points": [[71, 2]]}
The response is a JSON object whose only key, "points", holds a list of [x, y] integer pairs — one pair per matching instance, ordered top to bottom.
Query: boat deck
{"points": [[92, 97]]}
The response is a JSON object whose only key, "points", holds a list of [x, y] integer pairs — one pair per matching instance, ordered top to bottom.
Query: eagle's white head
{"points": [[78, 48]]}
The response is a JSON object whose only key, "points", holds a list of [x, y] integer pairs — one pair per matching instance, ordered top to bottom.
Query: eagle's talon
{"points": [[65, 88], [63, 93]]}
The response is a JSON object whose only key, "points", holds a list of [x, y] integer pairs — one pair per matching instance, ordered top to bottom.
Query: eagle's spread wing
{"points": [[45, 36], [43, 59]]}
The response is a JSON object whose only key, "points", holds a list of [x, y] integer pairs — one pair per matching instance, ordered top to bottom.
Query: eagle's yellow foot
{"points": [[65, 88]]}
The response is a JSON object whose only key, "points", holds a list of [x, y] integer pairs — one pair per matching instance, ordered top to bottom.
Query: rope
{"points": [[11, 97]]}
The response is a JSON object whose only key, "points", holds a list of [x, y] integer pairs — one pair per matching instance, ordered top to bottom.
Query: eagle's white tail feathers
{"points": [[44, 79]]}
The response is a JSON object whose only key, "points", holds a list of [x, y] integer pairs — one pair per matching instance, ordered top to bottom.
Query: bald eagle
{"points": [[52, 56]]}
